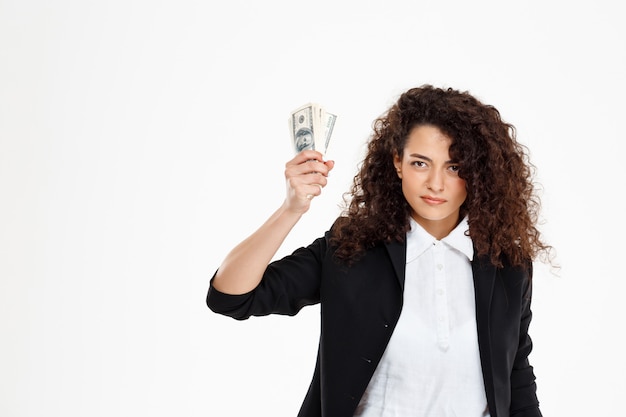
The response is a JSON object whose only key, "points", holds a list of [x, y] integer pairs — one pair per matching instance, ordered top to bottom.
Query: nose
{"points": [[435, 181]]}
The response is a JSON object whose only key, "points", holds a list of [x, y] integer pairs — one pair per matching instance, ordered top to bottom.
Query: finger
{"points": [[306, 155], [313, 166], [306, 168], [308, 179], [312, 191]]}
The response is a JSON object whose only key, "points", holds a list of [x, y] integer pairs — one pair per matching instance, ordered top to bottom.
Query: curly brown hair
{"points": [[501, 203]]}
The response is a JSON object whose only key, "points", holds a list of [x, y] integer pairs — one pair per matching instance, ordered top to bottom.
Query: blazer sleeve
{"points": [[287, 285], [524, 401]]}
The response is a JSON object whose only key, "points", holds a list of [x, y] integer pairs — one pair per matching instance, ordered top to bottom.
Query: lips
{"points": [[432, 200]]}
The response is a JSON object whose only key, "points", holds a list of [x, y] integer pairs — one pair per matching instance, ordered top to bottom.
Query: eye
{"points": [[419, 164], [454, 168]]}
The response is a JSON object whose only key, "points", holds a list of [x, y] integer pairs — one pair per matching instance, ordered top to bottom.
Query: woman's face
{"points": [[430, 180]]}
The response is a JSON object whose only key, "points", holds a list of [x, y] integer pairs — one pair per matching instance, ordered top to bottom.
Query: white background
{"points": [[140, 140]]}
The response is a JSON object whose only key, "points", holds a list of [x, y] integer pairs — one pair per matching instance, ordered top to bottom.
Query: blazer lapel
{"points": [[397, 253], [484, 273], [484, 279]]}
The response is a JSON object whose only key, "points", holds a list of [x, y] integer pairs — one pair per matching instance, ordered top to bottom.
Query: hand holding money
{"points": [[311, 127], [306, 175]]}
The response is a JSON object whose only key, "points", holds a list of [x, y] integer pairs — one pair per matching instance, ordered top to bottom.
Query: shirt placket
{"points": [[441, 298]]}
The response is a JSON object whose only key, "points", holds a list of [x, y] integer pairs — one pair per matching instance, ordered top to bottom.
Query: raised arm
{"points": [[242, 269]]}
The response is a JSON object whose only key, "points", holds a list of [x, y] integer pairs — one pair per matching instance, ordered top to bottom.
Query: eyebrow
{"points": [[417, 155]]}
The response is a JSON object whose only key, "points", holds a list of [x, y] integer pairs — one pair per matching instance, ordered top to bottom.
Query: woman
{"points": [[424, 282]]}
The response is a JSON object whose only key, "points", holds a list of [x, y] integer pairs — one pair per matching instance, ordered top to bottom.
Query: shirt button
{"points": [[439, 267], [439, 292]]}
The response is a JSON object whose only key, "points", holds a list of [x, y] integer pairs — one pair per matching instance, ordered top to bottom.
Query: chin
{"points": [[436, 217]]}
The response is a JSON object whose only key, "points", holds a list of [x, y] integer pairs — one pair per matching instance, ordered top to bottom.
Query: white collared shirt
{"points": [[431, 366]]}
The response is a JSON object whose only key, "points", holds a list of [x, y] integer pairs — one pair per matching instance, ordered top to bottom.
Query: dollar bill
{"points": [[329, 125], [311, 127], [304, 128]]}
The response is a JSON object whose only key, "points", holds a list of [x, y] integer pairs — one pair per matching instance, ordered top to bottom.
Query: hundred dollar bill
{"points": [[311, 127], [304, 128]]}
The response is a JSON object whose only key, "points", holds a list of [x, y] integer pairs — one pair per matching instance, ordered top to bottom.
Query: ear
{"points": [[397, 162]]}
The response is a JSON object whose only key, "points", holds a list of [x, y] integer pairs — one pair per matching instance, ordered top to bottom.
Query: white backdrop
{"points": [[140, 140]]}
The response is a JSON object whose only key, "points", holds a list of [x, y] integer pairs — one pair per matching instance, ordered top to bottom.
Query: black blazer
{"points": [[360, 306]]}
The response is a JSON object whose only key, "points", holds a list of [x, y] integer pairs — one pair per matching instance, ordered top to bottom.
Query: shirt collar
{"points": [[459, 239], [419, 240]]}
